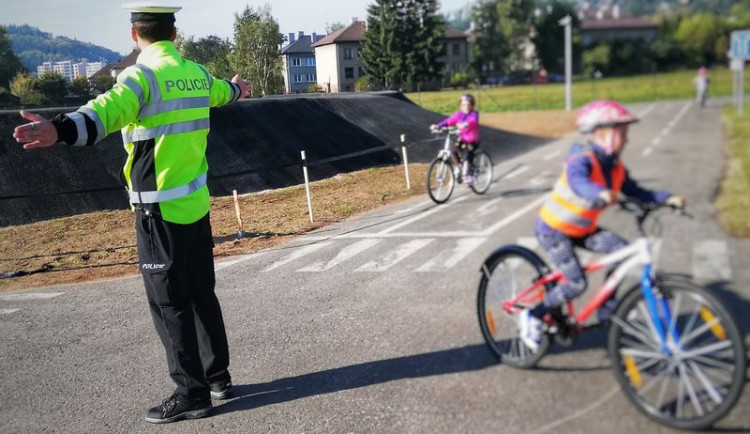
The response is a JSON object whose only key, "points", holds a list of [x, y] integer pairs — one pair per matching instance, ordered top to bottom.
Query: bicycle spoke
{"points": [[675, 313], [649, 321], [689, 327], [629, 328], [698, 331], [632, 344], [706, 349], [643, 354], [708, 386], [663, 390], [691, 392]]}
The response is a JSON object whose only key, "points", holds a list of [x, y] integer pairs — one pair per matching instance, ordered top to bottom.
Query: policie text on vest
{"points": [[187, 84]]}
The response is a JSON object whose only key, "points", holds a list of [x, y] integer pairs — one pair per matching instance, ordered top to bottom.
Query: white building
{"points": [[337, 59], [44, 68], [64, 68], [86, 69]]}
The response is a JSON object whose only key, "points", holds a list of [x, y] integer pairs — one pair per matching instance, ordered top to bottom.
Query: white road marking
{"points": [[646, 111], [657, 140], [646, 152], [551, 155], [516, 172], [540, 179], [415, 207], [488, 207], [421, 216], [509, 219], [530, 243], [300, 252], [345, 254], [395, 256], [447, 259], [236, 260], [711, 261], [31, 296], [8, 311], [589, 408]]}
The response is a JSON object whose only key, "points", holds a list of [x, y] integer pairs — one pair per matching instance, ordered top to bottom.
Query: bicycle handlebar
{"points": [[441, 130], [643, 210]]}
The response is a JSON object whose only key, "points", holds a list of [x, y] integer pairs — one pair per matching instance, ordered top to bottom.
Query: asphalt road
{"points": [[369, 326]]}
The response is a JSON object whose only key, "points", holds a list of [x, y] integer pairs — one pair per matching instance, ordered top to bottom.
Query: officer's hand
{"points": [[245, 86], [40, 133], [677, 202]]}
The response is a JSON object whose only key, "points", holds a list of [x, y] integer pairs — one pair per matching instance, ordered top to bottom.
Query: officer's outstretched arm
{"points": [[223, 92], [107, 113]]}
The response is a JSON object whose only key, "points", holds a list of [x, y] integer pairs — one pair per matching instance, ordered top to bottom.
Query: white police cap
{"points": [[150, 11]]}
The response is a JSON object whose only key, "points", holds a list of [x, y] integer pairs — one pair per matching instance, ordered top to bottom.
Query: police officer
{"points": [[161, 105]]}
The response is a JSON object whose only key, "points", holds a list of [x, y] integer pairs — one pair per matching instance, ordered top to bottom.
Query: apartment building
{"points": [[455, 55], [337, 59], [298, 60]]}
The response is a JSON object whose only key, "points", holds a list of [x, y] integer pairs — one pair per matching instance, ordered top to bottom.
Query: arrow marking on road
{"points": [[303, 251], [345, 254], [395, 256], [449, 258]]}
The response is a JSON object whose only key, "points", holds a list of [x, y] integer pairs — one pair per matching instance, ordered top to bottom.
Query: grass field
{"points": [[672, 85], [734, 199]]}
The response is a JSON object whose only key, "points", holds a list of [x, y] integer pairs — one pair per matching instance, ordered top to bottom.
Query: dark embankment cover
{"points": [[254, 145]]}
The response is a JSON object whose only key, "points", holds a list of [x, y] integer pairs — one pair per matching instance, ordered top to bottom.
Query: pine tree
{"points": [[9, 63]]}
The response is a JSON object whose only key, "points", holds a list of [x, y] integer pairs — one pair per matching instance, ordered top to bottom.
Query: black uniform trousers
{"points": [[177, 265]]}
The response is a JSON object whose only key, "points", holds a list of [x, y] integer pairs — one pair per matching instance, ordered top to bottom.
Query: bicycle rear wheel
{"points": [[482, 172], [440, 180], [504, 277], [701, 380]]}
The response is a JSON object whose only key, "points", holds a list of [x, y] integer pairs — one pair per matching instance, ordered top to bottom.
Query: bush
{"points": [[459, 79], [362, 85], [23, 87], [314, 88]]}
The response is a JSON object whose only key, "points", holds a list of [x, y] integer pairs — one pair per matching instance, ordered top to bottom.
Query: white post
{"points": [[567, 23], [741, 87], [406, 161], [307, 186], [240, 229]]}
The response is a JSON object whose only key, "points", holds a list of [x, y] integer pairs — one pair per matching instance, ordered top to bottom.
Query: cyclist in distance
{"points": [[467, 120], [593, 177]]}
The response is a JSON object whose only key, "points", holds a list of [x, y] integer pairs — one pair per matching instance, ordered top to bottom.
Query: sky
{"points": [[105, 23]]}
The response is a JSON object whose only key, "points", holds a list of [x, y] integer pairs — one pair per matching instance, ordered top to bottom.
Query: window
{"points": [[456, 49], [348, 53], [310, 61], [297, 62], [349, 72], [297, 78], [310, 78]]}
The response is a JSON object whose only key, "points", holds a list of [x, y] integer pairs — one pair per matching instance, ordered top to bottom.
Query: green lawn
{"points": [[673, 85], [734, 199]]}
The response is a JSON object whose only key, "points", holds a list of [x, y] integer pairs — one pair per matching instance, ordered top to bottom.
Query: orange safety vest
{"points": [[572, 214]]}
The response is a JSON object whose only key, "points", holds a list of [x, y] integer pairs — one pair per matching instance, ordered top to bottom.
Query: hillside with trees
{"points": [[33, 47]]}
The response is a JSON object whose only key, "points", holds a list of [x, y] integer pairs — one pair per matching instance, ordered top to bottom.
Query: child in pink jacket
{"points": [[467, 120]]}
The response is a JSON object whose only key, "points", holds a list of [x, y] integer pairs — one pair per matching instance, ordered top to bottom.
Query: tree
{"points": [[459, 19], [515, 24], [332, 27], [703, 35], [548, 38], [403, 42], [490, 47], [256, 48], [211, 51], [596, 59], [9, 63], [103, 83], [53, 86], [23, 87], [80, 89]]}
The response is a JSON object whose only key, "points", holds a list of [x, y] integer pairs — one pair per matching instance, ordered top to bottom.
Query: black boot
{"points": [[178, 407]]}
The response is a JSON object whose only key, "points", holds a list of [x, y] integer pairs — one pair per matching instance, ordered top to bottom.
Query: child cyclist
{"points": [[467, 120], [592, 179]]}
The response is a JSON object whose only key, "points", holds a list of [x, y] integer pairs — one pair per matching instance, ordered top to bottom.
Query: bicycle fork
{"points": [[659, 311]]}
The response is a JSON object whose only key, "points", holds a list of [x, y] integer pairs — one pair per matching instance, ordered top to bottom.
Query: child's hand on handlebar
{"points": [[433, 127], [607, 197], [676, 202]]}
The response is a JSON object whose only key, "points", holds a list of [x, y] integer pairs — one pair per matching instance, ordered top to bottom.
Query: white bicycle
{"points": [[444, 172]]}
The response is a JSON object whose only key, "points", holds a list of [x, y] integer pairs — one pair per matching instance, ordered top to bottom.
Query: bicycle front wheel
{"points": [[482, 172], [440, 180], [504, 278], [700, 377]]}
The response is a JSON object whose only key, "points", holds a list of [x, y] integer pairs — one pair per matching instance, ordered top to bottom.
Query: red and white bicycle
{"points": [[676, 351]]}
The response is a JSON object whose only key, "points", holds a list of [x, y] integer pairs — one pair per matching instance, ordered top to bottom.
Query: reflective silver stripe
{"points": [[208, 76], [153, 85], [136, 89], [236, 91], [175, 104], [91, 113], [165, 130], [83, 135], [169, 194], [568, 194], [567, 216]]}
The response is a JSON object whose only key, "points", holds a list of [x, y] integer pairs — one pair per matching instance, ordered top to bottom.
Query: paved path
{"points": [[369, 326]]}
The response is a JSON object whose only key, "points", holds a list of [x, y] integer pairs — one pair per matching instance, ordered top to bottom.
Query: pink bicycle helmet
{"points": [[603, 114]]}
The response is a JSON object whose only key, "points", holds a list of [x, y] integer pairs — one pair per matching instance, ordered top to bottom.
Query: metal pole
{"points": [[567, 23], [741, 86], [406, 161], [307, 186]]}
